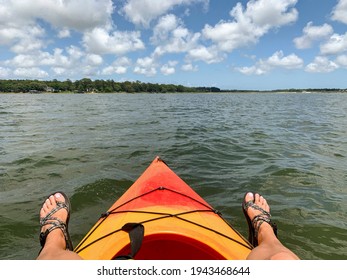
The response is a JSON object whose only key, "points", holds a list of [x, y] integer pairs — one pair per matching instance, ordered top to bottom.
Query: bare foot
{"points": [[258, 200], [49, 205], [258, 211], [54, 215], [61, 215], [269, 246]]}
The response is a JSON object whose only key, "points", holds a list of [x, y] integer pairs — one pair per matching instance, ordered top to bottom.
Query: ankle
{"points": [[266, 234], [56, 239]]}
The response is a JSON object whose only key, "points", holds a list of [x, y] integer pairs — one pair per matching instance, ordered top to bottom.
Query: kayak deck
{"points": [[176, 223]]}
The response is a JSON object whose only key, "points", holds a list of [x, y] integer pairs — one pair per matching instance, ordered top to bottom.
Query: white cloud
{"points": [[340, 11], [142, 12], [7, 13], [271, 13], [75, 14], [249, 24], [165, 26], [21, 30], [30, 30], [64, 33], [9, 34], [311, 34], [232, 35], [171, 36], [22, 39], [100, 41], [336, 44], [28, 45], [75, 52], [206, 54], [57, 59], [94, 59], [22, 60], [277, 60], [341, 60], [69, 61], [125, 61], [291, 61], [321, 64], [119, 66], [146, 66], [189, 67], [169, 68], [59, 70], [110, 70], [252, 70], [89, 71], [4, 72], [33, 72]]}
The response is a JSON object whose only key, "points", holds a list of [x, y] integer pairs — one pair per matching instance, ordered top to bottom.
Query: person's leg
{"points": [[55, 245], [269, 247]]}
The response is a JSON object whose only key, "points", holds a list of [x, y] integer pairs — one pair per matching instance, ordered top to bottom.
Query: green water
{"points": [[292, 148]]}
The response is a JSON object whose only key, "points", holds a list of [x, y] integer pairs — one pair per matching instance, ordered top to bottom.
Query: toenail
{"points": [[250, 194]]}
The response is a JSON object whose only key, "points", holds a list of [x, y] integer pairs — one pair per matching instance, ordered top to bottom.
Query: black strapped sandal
{"points": [[257, 221], [57, 223]]}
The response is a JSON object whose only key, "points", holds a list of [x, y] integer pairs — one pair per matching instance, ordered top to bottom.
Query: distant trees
{"points": [[86, 85], [101, 86], [208, 89]]}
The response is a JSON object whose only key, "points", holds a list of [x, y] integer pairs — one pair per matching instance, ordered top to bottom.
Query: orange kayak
{"points": [[160, 217]]}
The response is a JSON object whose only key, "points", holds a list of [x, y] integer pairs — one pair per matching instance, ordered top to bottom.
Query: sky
{"points": [[254, 45]]}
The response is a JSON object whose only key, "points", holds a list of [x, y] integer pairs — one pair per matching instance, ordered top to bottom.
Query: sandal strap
{"points": [[60, 205], [256, 207], [259, 220], [44, 222], [54, 222], [255, 223]]}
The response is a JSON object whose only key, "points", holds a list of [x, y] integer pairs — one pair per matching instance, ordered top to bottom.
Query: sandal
{"points": [[257, 221], [56, 222]]}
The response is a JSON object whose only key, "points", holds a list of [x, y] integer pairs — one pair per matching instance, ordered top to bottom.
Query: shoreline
{"points": [[88, 86], [155, 93]]}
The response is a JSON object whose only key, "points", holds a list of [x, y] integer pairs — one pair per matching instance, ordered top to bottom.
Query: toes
{"points": [[59, 197], [249, 197], [257, 198], [50, 200], [260, 201], [47, 202], [50, 203], [263, 204], [46, 205], [42, 212]]}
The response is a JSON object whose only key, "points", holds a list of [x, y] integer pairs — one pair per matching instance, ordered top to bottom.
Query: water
{"points": [[291, 148]]}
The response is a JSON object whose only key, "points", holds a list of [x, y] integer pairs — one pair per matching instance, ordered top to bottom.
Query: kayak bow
{"points": [[160, 217]]}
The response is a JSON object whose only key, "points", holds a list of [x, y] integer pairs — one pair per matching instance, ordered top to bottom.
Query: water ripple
{"points": [[289, 147]]}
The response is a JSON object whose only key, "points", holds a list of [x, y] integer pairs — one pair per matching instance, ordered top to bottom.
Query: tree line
{"points": [[87, 85]]}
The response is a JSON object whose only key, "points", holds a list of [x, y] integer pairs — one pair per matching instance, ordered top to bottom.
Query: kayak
{"points": [[160, 217]]}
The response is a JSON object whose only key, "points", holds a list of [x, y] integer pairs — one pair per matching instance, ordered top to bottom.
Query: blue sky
{"points": [[255, 44]]}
